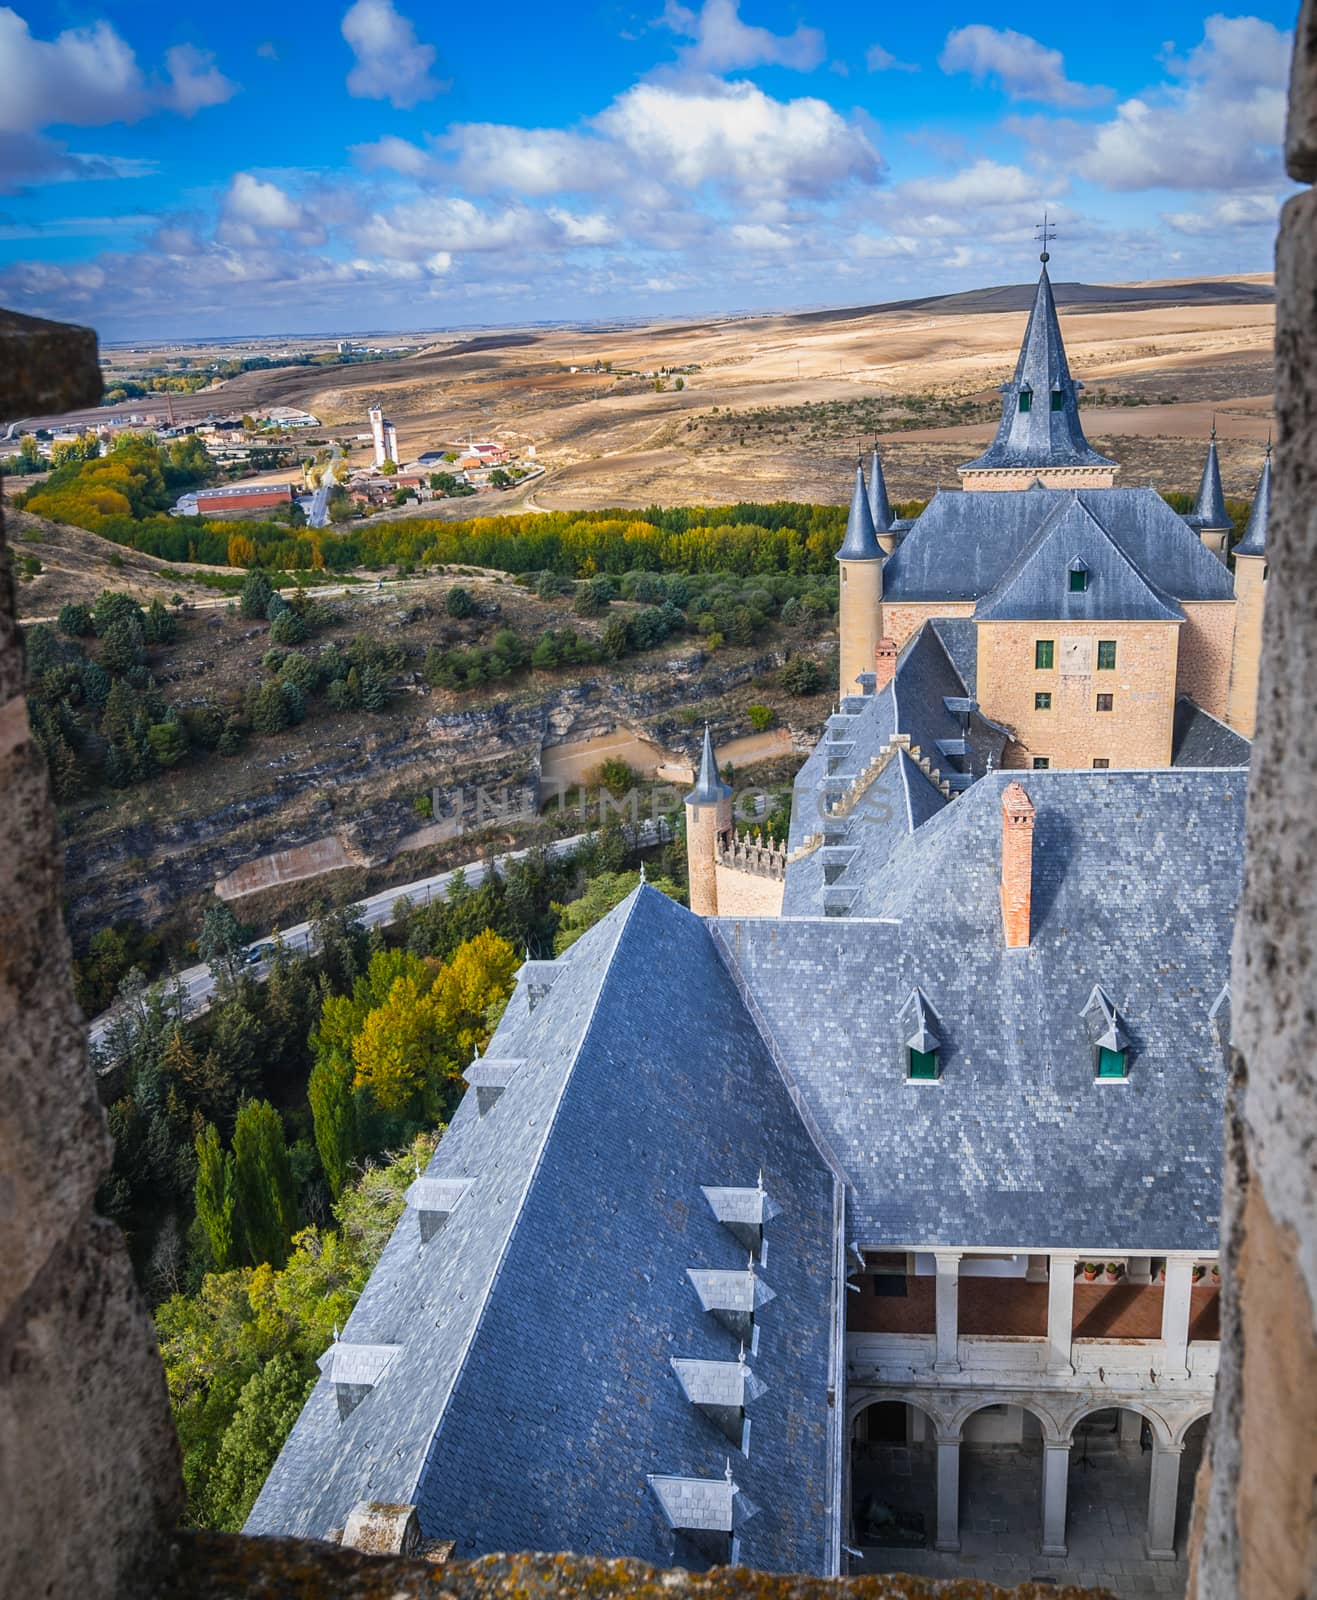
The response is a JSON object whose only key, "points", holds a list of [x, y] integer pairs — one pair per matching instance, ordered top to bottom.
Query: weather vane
{"points": [[1044, 235]]}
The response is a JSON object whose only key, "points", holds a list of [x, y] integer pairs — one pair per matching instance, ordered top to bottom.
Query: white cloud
{"points": [[723, 43], [876, 59], [391, 63], [1025, 69], [195, 82], [1220, 126], [737, 137], [391, 154], [532, 161], [986, 183], [263, 205], [1237, 211], [759, 236]]}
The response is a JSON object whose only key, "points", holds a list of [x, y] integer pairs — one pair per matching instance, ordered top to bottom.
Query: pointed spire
{"points": [[1040, 424], [880, 507], [1210, 508], [861, 541], [1254, 542], [709, 788], [642, 872]]}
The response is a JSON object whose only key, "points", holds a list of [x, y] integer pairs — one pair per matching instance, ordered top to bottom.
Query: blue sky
{"points": [[175, 171]]}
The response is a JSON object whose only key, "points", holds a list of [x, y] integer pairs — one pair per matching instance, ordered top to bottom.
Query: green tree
{"points": [[256, 592], [459, 602], [74, 620], [801, 676], [761, 717], [168, 743], [604, 891], [220, 943], [334, 1111], [214, 1197], [265, 1199], [269, 1404]]}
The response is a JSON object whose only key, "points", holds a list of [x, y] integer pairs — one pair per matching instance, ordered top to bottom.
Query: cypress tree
{"points": [[334, 1111], [263, 1184], [214, 1196]]}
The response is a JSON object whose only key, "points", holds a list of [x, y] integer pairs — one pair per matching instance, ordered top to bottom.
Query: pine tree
{"points": [[256, 594], [374, 690], [334, 1110], [214, 1196], [266, 1202]]}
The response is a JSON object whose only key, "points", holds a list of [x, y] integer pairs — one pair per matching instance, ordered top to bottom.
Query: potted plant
{"points": [[1114, 1270], [1090, 1271], [1216, 1273], [1198, 1274], [1160, 1275]]}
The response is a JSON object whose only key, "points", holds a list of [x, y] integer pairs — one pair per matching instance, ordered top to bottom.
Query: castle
{"points": [[766, 1218]]}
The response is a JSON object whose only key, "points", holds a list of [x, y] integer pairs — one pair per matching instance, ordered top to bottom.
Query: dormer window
{"points": [[1026, 399], [1058, 399], [1078, 577], [916, 1020], [1107, 1036]]}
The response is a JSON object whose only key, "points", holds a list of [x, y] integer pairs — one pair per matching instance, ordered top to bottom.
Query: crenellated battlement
{"points": [[765, 857]]}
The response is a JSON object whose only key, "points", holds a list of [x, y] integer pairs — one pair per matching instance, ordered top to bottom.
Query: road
{"points": [[377, 911]]}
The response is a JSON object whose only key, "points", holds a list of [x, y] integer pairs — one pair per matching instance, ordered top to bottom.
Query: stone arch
{"points": [[858, 1404], [1182, 1428], [1161, 1429], [1052, 1431]]}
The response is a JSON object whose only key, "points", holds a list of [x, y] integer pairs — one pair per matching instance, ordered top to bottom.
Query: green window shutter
{"points": [[1026, 399], [1058, 400], [1078, 581], [1042, 655], [1106, 655], [923, 1063], [1111, 1063]]}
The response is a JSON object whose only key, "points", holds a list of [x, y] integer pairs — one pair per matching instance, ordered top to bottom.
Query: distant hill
{"points": [[1090, 296]]}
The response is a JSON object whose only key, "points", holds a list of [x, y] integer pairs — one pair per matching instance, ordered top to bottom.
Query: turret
{"points": [[1040, 435], [880, 507], [1209, 518], [861, 562], [1250, 600], [708, 820]]}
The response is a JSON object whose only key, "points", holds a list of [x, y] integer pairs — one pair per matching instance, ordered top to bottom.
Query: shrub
{"points": [[459, 603], [74, 620], [801, 676], [761, 717]]}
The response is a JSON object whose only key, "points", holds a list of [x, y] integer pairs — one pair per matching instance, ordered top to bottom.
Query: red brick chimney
{"points": [[884, 663], [1016, 865]]}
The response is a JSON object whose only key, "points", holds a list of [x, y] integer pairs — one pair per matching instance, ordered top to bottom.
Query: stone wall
{"points": [[1050, 477], [900, 620], [1206, 645], [1246, 658], [1136, 732], [748, 894], [89, 1474], [1256, 1516]]}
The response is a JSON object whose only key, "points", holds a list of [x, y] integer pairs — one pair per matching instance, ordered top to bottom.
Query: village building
{"points": [[873, 1202]]}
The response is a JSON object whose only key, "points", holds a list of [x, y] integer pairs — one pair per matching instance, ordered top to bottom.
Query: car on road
{"points": [[259, 953]]}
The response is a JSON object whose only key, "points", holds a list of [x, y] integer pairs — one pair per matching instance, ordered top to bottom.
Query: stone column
{"points": [[1138, 1269], [1036, 1271], [948, 1305], [1060, 1313], [1175, 1317], [1130, 1426], [1056, 1481], [1163, 1491], [948, 1493]]}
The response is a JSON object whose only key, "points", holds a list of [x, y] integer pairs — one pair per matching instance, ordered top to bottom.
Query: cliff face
{"points": [[342, 791]]}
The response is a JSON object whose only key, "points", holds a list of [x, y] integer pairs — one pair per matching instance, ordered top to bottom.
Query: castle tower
{"points": [[1040, 435], [377, 436], [880, 507], [1209, 517], [861, 562], [1250, 597], [708, 820]]}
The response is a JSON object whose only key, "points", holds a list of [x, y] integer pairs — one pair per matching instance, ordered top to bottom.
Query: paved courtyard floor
{"points": [[1000, 1518]]}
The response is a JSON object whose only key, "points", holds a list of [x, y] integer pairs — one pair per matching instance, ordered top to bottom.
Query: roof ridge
{"points": [[550, 1122]]}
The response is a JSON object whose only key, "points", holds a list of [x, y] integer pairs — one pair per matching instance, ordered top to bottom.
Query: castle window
{"points": [[1026, 399], [1058, 399], [1078, 580], [1043, 653], [1106, 655], [1042, 701], [1104, 702], [1041, 763], [1100, 763], [922, 1044], [923, 1063], [1111, 1063]]}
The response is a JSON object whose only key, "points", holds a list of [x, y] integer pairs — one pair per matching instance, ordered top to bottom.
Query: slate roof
{"points": [[1041, 436], [880, 507], [1210, 507], [861, 541], [1254, 542], [964, 543], [1037, 583], [1199, 739], [709, 787], [1136, 877], [533, 1396]]}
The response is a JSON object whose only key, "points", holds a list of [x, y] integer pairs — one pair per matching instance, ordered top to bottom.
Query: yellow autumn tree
{"points": [[242, 550], [476, 977]]}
